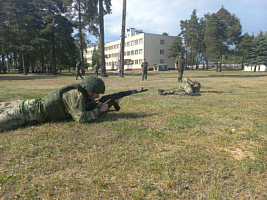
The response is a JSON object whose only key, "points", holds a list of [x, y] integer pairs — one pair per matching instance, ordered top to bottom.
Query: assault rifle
{"points": [[113, 97]]}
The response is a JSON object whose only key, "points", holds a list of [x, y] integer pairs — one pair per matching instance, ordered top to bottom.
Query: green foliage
{"points": [[258, 50], [96, 56]]}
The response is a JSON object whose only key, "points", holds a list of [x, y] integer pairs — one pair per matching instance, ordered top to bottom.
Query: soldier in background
{"points": [[179, 64], [145, 67], [96, 68], [78, 69], [186, 87], [65, 103]]}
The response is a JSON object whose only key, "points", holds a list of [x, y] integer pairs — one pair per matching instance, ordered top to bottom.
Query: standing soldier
{"points": [[179, 64], [96, 67], [145, 67], [78, 68]]}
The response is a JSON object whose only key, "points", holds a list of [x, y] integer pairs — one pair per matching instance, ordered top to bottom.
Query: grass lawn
{"points": [[213, 146]]}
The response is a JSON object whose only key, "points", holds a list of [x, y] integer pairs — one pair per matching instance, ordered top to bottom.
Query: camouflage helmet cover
{"points": [[93, 84]]}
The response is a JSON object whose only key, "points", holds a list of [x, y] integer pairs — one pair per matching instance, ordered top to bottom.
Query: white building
{"points": [[138, 46], [261, 68]]}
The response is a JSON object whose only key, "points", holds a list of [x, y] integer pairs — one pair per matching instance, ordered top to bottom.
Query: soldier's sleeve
{"points": [[185, 87], [75, 105]]}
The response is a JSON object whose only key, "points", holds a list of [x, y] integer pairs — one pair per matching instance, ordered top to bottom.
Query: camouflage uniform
{"points": [[144, 66], [180, 66], [96, 67], [78, 69], [184, 88], [65, 103]]}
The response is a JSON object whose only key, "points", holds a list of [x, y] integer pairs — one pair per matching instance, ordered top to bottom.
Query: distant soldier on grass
{"points": [[179, 64], [145, 67], [96, 68], [78, 69], [186, 87], [65, 103]]}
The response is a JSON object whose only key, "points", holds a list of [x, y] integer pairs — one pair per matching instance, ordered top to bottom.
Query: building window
{"points": [[141, 41], [162, 41], [136, 42], [132, 43], [128, 44], [118, 46], [140, 51], [161, 51], [136, 52], [128, 53], [140, 61], [161, 61], [136, 62]]}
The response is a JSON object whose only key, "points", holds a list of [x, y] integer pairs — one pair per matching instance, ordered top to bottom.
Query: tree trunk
{"points": [[80, 37], [122, 39], [102, 50], [186, 52], [53, 54], [197, 60], [203, 63], [2, 64], [45, 64], [207, 65], [216, 66], [255, 68], [220, 69], [25, 71]]}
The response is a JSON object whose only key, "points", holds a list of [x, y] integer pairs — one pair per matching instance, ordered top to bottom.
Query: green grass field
{"points": [[156, 147]]}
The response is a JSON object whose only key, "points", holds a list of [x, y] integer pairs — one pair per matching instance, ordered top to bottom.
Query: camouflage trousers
{"points": [[144, 75], [183, 89], [22, 113]]}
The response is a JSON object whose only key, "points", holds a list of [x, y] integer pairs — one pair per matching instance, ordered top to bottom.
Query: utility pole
{"points": [[122, 39]]}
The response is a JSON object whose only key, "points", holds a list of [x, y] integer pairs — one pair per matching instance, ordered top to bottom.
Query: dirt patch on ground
{"points": [[7, 105], [240, 154]]}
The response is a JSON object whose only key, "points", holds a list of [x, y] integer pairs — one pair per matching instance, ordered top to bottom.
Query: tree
{"points": [[50, 10], [102, 12], [84, 15], [23, 24], [231, 30], [193, 31], [185, 34], [122, 39], [213, 39], [176, 47], [243, 47], [258, 51], [96, 56]]}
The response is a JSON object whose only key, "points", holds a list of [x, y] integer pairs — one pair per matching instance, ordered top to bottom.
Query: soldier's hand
{"points": [[104, 105]]}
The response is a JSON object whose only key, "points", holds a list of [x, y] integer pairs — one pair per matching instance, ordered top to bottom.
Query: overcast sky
{"points": [[160, 16]]}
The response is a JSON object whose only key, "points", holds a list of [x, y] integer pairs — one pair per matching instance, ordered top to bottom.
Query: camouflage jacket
{"points": [[180, 62], [144, 66], [69, 101]]}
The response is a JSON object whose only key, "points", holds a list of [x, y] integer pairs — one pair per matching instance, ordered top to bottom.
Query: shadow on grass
{"points": [[25, 77], [114, 116], [110, 117]]}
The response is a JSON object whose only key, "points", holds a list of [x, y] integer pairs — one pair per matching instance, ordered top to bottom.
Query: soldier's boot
{"points": [[178, 79], [160, 91], [194, 94]]}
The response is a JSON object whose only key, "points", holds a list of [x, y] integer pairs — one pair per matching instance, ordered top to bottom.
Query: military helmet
{"points": [[93, 84]]}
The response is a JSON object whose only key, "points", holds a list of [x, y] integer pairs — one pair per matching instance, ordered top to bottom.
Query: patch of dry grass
{"points": [[156, 147]]}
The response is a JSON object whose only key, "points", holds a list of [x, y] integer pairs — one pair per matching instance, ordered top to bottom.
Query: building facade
{"points": [[138, 46]]}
